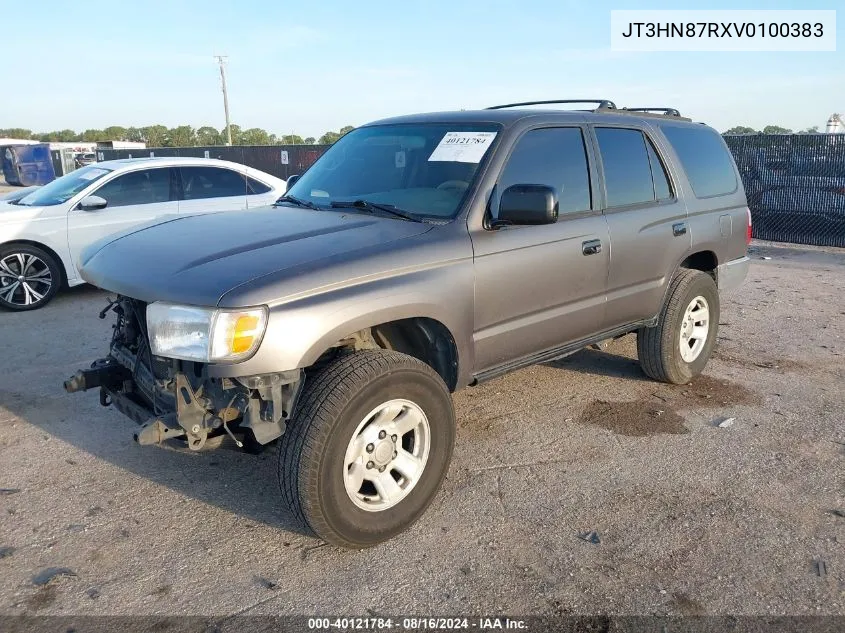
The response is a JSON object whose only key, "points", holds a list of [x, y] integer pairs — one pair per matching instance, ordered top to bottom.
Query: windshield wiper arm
{"points": [[298, 202], [366, 205]]}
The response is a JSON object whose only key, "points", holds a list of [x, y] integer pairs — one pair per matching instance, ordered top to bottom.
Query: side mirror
{"points": [[292, 180], [92, 203], [528, 204]]}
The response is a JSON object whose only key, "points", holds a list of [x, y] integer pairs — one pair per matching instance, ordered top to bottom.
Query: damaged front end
{"points": [[178, 399]]}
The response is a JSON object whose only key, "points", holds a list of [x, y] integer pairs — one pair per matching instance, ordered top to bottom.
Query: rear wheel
{"points": [[29, 277], [679, 346], [368, 448]]}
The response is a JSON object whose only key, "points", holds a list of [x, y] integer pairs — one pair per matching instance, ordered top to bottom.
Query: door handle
{"points": [[679, 229], [591, 247]]}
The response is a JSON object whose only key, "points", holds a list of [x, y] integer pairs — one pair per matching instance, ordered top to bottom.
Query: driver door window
{"points": [[555, 157], [146, 186], [133, 198]]}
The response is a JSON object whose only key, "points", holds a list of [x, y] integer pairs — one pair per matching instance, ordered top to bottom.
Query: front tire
{"points": [[29, 277], [679, 346], [368, 448]]}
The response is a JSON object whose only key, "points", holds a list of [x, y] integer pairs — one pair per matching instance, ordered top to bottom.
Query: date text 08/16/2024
{"points": [[414, 624]]}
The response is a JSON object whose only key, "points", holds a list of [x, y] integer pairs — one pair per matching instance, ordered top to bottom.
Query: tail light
{"points": [[748, 233]]}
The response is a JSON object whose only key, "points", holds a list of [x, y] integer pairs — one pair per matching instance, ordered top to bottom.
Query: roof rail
{"points": [[603, 104], [664, 111]]}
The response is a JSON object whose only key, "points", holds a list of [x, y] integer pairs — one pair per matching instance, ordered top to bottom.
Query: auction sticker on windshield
{"points": [[462, 147]]}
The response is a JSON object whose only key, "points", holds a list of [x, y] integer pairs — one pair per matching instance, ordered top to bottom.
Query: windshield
{"points": [[424, 170], [64, 188]]}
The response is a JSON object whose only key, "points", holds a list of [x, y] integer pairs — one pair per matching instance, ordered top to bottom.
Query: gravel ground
{"points": [[691, 518]]}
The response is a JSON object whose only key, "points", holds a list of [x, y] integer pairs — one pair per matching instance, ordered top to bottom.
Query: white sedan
{"points": [[42, 234]]}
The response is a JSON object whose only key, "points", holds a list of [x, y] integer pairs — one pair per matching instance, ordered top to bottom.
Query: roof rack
{"points": [[603, 104], [664, 111]]}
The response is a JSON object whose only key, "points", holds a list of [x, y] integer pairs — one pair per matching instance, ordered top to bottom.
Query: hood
{"points": [[13, 212], [198, 259]]}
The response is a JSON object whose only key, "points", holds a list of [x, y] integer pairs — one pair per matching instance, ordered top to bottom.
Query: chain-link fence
{"points": [[281, 161], [795, 185]]}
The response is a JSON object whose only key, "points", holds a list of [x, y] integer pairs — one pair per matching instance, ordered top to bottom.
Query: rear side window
{"points": [[554, 157], [705, 160], [627, 171], [211, 182], [255, 187]]}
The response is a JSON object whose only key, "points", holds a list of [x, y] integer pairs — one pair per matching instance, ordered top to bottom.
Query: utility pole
{"points": [[221, 59]]}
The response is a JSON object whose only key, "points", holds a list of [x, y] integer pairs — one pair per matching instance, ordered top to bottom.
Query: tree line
{"points": [[769, 129], [180, 136], [187, 136]]}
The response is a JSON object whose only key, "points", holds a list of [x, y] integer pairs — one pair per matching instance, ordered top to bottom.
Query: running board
{"points": [[559, 352]]}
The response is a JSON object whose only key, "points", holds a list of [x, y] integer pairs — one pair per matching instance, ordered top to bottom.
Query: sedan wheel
{"points": [[29, 277]]}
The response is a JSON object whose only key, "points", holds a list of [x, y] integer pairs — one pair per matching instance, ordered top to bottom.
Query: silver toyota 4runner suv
{"points": [[419, 255]]}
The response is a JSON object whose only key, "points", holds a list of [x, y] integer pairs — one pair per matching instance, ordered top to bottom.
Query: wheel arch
{"points": [[46, 249], [704, 260], [425, 338]]}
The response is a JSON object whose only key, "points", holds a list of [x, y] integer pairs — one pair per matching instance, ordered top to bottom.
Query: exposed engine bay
{"points": [[173, 398]]}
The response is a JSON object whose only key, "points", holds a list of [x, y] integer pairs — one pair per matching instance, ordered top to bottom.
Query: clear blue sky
{"points": [[308, 67]]}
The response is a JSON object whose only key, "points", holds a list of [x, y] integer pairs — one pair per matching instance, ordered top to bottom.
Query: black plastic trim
{"points": [[557, 352]]}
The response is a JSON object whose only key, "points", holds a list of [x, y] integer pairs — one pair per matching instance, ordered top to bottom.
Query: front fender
{"points": [[45, 231], [299, 332]]}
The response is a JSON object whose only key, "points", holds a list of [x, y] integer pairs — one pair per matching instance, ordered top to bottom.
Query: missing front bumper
{"points": [[191, 406]]}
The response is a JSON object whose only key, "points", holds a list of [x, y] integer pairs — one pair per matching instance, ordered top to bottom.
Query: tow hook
{"points": [[155, 432]]}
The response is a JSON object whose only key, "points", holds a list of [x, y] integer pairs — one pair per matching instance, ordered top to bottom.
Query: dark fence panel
{"points": [[267, 158], [795, 185]]}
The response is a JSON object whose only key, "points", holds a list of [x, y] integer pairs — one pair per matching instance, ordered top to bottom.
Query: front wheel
{"points": [[29, 277], [679, 346], [368, 448]]}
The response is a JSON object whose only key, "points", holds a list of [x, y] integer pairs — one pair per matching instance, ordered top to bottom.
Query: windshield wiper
{"points": [[298, 202], [366, 205]]}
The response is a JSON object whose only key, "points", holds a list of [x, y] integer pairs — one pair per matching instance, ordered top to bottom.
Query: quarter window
{"points": [[554, 157], [705, 159], [199, 183], [145, 186], [255, 187]]}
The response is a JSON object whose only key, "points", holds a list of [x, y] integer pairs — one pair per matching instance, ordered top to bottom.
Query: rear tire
{"points": [[29, 277], [679, 346], [368, 447]]}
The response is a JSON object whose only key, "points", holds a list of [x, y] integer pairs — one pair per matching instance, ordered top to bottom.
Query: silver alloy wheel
{"points": [[25, 279], [694, 329], [387, 455]]}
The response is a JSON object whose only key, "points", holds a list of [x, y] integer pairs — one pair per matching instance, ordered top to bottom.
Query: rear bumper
{"points": [[731, 274]]}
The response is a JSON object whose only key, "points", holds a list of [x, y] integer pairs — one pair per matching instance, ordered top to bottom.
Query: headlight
{"points": [[203, 334]]}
